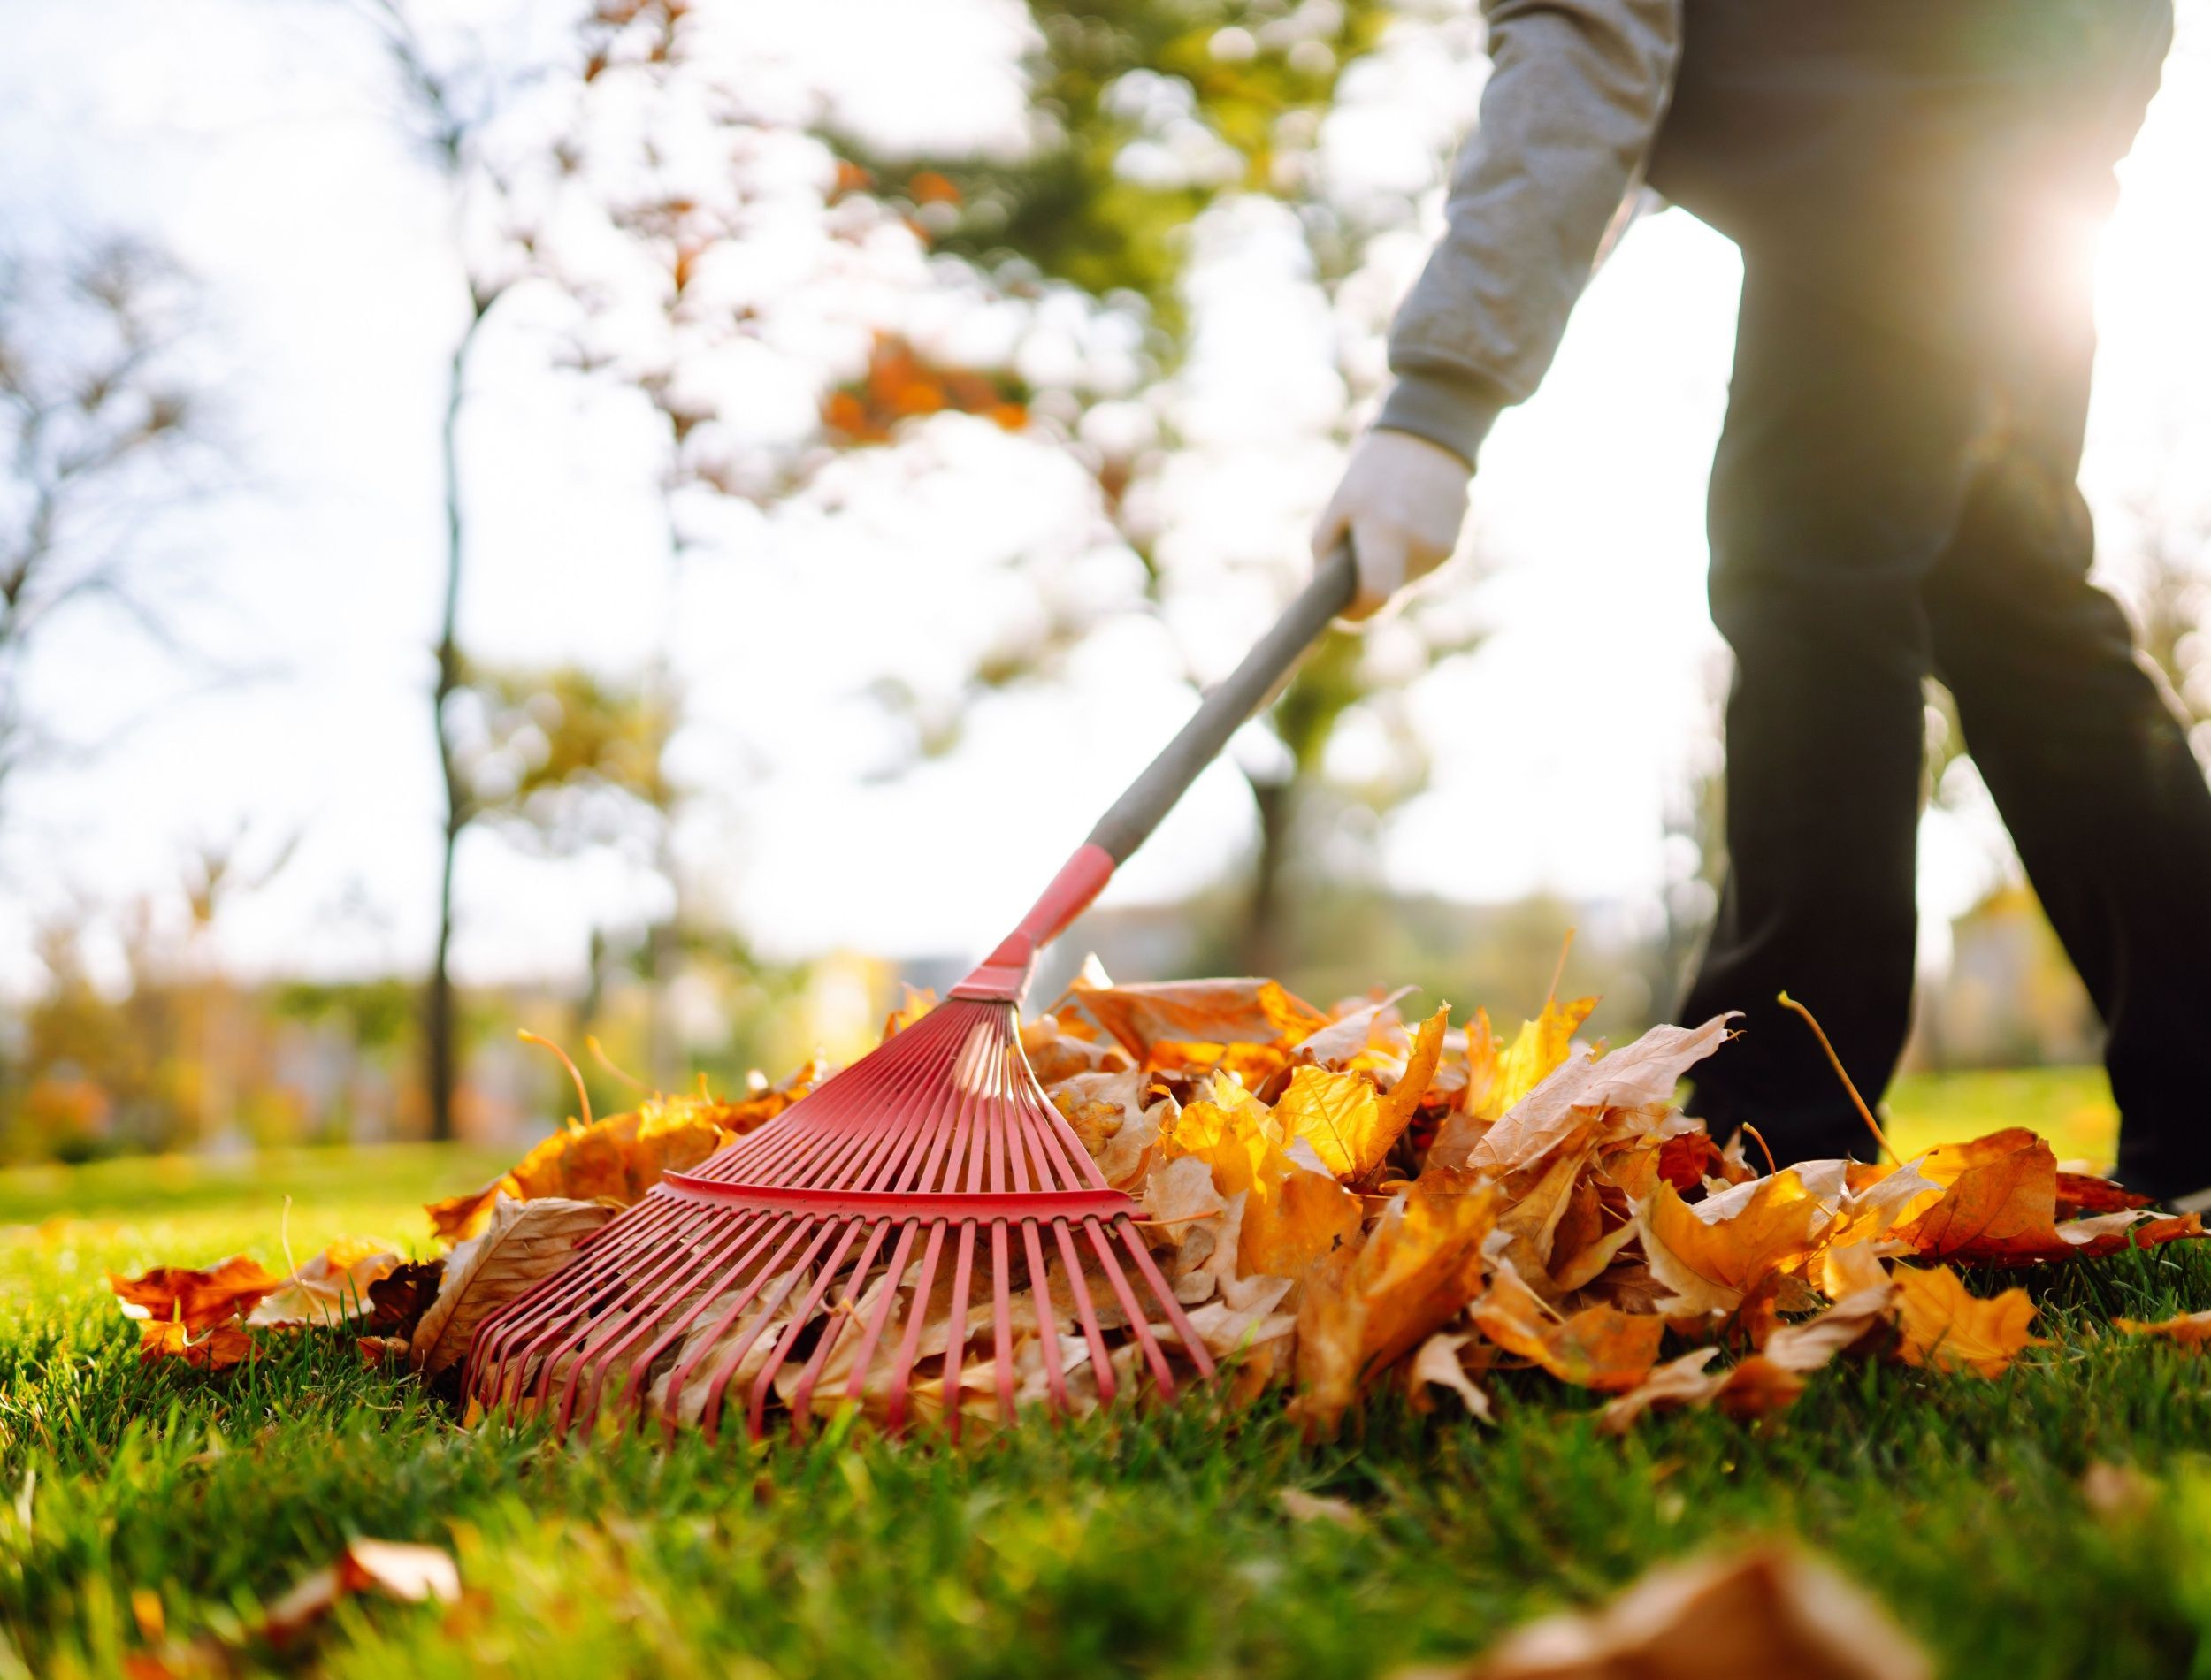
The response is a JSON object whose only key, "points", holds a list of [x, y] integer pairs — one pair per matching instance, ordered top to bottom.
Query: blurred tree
{"points": [[462, 98], [449, 107], [1143, 119], [102, 423], [565, 759]]}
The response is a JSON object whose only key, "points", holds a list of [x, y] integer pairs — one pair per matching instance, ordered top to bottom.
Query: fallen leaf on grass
{"points": [[621, 1157], [2083, 1193], [1999, 1201], [523, 1242], [332, 1286], [198, 1300], [1942, 1326], [2190, 1330], [1812, 1342], [1597, 1347], [218, 1348], [1437, 1365], [1756, 1387], [2116, 1492], [1301, 1507], [412, 1574], [1767, 1613]]}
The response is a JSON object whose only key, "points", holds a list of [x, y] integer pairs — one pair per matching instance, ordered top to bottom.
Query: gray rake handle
{"points": [[1227, 706]]}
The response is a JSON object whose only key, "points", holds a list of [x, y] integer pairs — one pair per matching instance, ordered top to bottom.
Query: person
{"points": [[1893, 496]]}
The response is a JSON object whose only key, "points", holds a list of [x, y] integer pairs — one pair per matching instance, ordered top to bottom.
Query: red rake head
{"points": [[923, 1230]]}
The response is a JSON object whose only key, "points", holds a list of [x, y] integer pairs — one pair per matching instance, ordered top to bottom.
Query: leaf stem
{"points": [[1835, 1061], [583, 1096], [1764, 1148]]}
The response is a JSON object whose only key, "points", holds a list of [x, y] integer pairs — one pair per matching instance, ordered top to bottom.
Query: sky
{"points": [[253, 136]]}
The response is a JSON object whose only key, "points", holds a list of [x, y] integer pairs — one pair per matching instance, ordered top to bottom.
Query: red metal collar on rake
{"points": [[818, 1249]]}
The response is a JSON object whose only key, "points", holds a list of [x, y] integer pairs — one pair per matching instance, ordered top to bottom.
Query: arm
{"points": [[1575, 95]]}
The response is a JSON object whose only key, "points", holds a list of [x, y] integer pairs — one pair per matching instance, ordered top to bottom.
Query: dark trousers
{"points": [[1884, 509]]}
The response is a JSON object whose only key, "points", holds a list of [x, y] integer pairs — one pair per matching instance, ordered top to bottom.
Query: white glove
{"points": [[1403, 499]]}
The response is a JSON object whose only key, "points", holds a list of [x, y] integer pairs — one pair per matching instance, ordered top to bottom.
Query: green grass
{"points": [[2071, 1106], [1153, 1546]]}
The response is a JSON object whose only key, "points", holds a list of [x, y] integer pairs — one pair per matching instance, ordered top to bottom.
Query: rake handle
{"points": [[1226, 708], [1003, 974]]}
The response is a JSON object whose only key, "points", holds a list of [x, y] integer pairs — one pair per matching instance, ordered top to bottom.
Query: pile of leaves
{"points": [[1345, 1200]]}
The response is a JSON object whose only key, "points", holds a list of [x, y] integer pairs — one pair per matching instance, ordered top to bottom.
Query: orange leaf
{"points": [[917, 1005], [1218, 1011], [1497, 1083], [619, 1159], [2080, 1193], [2001, 1200], [1713, 1254], [331, 1286], [197, 1299], [1367, 1305], [1944, 1327], [2190, 1330], [1597, 1347], [216, 1348], [1757, 1387], [412, 1574]]}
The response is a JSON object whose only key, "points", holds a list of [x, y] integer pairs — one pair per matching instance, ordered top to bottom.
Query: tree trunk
{"points": [[441, 1056]]}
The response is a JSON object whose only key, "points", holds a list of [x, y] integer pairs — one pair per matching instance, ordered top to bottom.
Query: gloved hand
{"points": [[1403, 499]]}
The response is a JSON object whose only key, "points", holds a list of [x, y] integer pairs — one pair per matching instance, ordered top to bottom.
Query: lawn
{"points": [[1153, 1546]]}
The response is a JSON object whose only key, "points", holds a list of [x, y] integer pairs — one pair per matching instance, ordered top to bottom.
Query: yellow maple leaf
{"points": [[1535, 1052], [1292, 1215], [1713, 1254], [1943, 1326]]}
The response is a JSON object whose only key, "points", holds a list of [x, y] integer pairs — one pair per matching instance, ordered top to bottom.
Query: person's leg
{"points": [[1839, 480], [2090, 767]]}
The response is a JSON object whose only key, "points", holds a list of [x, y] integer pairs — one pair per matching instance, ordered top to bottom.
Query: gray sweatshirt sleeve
{"points": [[1574, 97]]}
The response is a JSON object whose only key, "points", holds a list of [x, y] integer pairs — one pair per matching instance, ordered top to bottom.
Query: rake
{"points": [[928, 1195]]}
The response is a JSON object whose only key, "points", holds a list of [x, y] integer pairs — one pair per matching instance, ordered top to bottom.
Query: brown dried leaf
{"points": [[1212, 1011], [1638, 1075], [2000, 1200], [523, 1241], [332, 1288], [198, 1300], [398, 1300], [1599, 1346], [1438, 1365], [1756, 1387], [1768, 1613]]}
